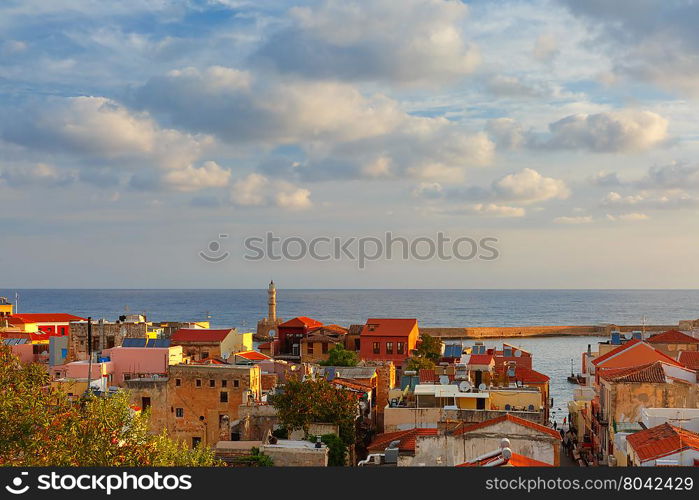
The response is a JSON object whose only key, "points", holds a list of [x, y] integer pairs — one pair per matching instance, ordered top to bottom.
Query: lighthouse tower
{"points": [[267, 327]]}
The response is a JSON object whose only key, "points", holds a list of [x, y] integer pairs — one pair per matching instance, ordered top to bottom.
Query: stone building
{"points": [[105, 335], [202, 344], [204, 400]]}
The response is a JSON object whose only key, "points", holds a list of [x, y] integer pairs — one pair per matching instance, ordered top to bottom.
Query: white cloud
{"points": [[408, 41], [545, 48], [101, 128], [609, 132], [343, 133], [507, 133], [39, 174], [191, 178], [529, 186], [258, 190], [668, 200], [486, 210], [633, 216], [573, 220]]}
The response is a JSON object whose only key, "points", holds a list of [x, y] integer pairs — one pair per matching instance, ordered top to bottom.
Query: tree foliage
{"points": [[427, 353], [339, 356], [316, 401], [42, 426], [337, 449], [255, 459]]}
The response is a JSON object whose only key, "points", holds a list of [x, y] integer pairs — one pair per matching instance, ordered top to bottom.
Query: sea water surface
{"points": [[457, 308]]}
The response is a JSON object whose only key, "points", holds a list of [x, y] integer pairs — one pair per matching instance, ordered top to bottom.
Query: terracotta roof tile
{"points": [[44, 318], [302, 321], [390, 327], [199, 335], [672, 337], [635, 344], [252, 355], [690, 359], [650, 372], [527, 375], [511, 418], [407, 439], [661, 441], [516, 460]]}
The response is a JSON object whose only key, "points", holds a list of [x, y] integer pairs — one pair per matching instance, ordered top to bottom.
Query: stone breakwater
{"points": [[488, 332]]}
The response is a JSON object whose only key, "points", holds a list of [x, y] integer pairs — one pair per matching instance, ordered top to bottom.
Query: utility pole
{"points": [[89, 353]]}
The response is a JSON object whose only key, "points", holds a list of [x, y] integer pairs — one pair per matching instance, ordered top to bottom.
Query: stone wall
{"points": [[537, 331], [105, 335], [400, 419], [296, 457]]}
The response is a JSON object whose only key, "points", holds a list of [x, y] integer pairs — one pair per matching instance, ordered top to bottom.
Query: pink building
{"points": [[138, 362]]}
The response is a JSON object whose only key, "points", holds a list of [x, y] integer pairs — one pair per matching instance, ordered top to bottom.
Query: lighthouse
{"points": [[267, 327]]}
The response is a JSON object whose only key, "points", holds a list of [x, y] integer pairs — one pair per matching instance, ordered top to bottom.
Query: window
{"points": [[63, 330], [357, 344], [325, 347], [389, 347], [309, 348], [400, 348], [377, 350], [204, 354], [58, 374], [178, 382], [197, 383], [212, 383], [224, 383], [236, 383], [224, 396], [145, 402], [179, 412], [196, 441]]}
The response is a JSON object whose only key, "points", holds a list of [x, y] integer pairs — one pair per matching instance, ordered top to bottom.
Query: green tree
{"points": [[427, 354], [339, 356], [303, 403], [42, 426], [337, 449], [255, 459]]}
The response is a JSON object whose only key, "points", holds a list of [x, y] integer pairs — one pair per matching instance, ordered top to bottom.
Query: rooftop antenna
{"points": [[16, 302], [643, 327]]}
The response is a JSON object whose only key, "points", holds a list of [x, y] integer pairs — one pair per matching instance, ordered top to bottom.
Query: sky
{"points": [[137, 136]]}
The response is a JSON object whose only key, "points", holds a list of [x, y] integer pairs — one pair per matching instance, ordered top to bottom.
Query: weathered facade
{"points": [[105, 335]]}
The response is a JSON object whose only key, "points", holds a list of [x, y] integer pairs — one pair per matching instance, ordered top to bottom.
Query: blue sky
{"points": [[135, 132]]}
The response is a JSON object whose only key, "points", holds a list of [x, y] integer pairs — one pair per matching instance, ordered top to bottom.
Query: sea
{"points": [[446, 308]]}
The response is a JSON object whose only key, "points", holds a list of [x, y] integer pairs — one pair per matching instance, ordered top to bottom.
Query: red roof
{"points": [[44, 318], [302, 321], [389, 327], [330, 329], [200, 335], [672, 337], [633, 343], [252, 355], [481, 359], [690, 359], [209, 361], [650, 372], [527, 375], [352, 384], [510, 418], [406, 438], [661, 441], [516, 460]]}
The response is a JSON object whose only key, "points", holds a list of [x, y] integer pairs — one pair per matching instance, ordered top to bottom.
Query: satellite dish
{"points": [[518, 354], [443, 380], [465, 386], [482, 387]]}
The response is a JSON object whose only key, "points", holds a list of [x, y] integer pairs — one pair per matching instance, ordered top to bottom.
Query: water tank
{"points": [[616, 337]]}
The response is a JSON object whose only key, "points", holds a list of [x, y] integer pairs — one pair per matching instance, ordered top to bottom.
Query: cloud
{"points": [[412, 41], [657, 42], [545, 48], [512, 86], [102, 129], [608, 132], [343, 133], [507, 133], [39, 174], [676, 175], [191, 178], [606, 179], [529, 186], [257, 190], [670, 200], [487, 209], [634, 216], [573, 220]]}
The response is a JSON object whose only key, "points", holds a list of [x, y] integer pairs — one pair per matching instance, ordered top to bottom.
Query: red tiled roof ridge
{"points": [[45, 317], [302, 321], [200, 335], [672, 336], [628, 345], [649, 372], [511, 418], [407, 438], [662, 440], [516, 460]]}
